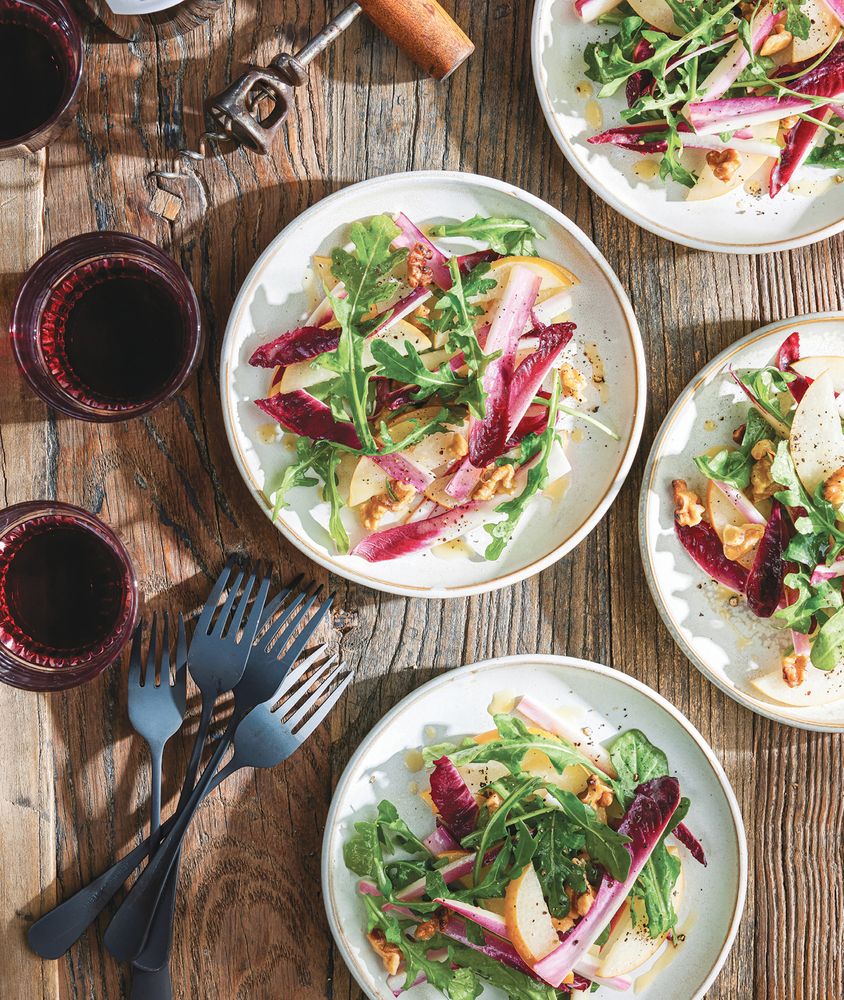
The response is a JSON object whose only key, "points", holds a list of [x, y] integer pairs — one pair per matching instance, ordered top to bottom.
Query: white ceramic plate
{"points": [[735, 223], [273, 299], [729, 645], [455, 704]]}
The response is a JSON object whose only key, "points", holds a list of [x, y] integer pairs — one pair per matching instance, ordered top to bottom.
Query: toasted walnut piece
{"points": [[747, 10], [778, 40], [787, 124], [724, 163], [418, 270], [572, 382], [738, 433], [458, 446], [496, 479], [762, 484], [833, 490], [687, 507], [375, 508], [739, 539], [794, 669], [596, 794], [493, 801], [583, 903], [563, 924], [425, 931], [390, 954]]}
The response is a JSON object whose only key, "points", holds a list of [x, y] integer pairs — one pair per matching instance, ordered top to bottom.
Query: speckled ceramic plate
{"points": [[736, 223], [274, 297], [729, 645], [606, 701]]}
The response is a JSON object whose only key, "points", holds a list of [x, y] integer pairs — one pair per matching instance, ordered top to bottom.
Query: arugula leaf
{"points": [[797, 21], [829, 155], [671, 165], [505, 236], [365, 274], [453, 315], [409, 368], [766, 384], [325, 462], [734, 465], [293, 475], [537, 476], [819, 517], [800, 614], [828, 647], [516, 740], [437, 750], [636, 760], [496, 828], [395, 833], [558, 841], [604, 845], [364, 856], [654, 886], [464, 985], [516, 985]]}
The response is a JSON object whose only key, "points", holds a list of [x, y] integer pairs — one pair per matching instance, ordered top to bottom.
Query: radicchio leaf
{"points": [[301, 344], [788, 353], [302, 414], [702, 543], [764, 587], [455, 803], [690, 841]]}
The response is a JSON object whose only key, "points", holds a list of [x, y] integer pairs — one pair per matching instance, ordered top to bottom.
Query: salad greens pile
{"points": [[700, 79], [409, 339], [519, 817]]}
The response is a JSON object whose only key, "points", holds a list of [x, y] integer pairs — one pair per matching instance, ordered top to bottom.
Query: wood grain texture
{"points": [[250, 920]]}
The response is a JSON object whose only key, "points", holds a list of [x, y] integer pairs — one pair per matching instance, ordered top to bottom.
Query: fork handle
{"points": [[60, 928], [129, 928], [151, 985]]}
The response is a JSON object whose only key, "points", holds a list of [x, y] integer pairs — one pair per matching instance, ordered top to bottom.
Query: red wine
{"points": [[33, 70], [113, 334], [62, 588]]}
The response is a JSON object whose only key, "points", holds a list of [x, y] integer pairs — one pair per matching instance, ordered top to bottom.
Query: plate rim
{"points": [[629, 212], [306, 546], [556, 660], [745, 700]]}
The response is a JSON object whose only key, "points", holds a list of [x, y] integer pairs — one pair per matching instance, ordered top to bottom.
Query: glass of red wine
{"points": [[41, 63], [106, 327], [68, 596]]}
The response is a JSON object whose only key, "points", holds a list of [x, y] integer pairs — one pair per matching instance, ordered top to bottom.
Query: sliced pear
{"points": [[657, 13], [824, 28], [709, 186], [397, 334], [814, 367], [816, 441], [367, 481], [722, 513], [820, 687], [478, 775], [527, 919], [628, 947]]}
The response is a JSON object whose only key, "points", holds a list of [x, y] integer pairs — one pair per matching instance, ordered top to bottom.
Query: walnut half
{"points": [[724, 163], [418, 269], [833, 490], [688, 510], [739, 539], [794, 669], [390, 954]]}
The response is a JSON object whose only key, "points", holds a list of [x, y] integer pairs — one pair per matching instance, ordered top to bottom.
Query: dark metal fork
{"points": [[276, 648], [217, 657], [156, 712], [264, 737], [57, 930], [127, 934]]}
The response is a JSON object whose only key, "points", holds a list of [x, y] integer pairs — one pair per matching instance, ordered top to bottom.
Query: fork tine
{"points": [[276, 603], [225, 611], [253, 622], [203, 623], [272, 633], [301, 640], [149, 670], [164, 673], [180, 676], [292, 676], [134, 678], [302, 691], [323, 710]]}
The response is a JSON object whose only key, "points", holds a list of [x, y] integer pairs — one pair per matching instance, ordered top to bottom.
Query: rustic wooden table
{"points": [[73, 783]]}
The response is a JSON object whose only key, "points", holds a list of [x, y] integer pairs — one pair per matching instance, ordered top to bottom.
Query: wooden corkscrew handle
{"points": [[424, 31]]}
